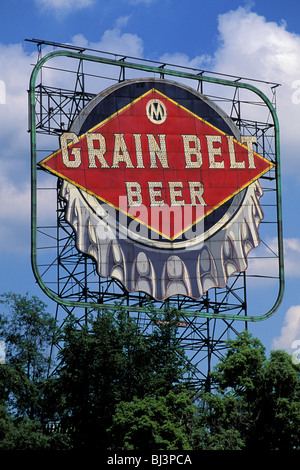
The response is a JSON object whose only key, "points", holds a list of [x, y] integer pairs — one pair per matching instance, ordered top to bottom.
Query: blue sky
{"points": [[253, 39]]}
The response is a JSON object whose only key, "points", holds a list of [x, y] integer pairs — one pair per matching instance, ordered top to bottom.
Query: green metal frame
{"points": [[157, 70]]}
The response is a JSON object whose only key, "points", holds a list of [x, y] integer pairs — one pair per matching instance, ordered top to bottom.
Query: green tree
{"points": [[28, 331], [109, 362], [242, 368], [117, 388], [257, 405], [276, 412], [153, 423], [218, 423], [21, 434]]}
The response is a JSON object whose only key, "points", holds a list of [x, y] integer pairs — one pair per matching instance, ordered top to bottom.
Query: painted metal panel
{"points": [[161, 188], [167, 265]]}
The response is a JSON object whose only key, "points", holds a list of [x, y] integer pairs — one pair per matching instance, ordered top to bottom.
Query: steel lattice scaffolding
{"points": [[70, 277]]}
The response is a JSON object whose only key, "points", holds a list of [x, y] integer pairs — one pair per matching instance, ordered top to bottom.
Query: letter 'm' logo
{"points": [[156, 111]]}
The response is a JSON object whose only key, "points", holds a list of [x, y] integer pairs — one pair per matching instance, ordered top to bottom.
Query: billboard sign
{"points": [[160, 187]]}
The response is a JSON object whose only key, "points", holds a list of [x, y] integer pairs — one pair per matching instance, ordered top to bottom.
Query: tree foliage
{"points": [[28, 332], [109, 362], [115, 388], [257, 403], [152, 423]]}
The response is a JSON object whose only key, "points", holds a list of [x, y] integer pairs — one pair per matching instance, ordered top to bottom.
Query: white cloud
{"points": [[138, 2], [64, 6], [122, 21], [114, 41], [250, 46], [263, 49], [178, 58], [15, 71], [14, 201], [15, 209], [293, 244], [292, 257], [263, 260], [290, 331]]}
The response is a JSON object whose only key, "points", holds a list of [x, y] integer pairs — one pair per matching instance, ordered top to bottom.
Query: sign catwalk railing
{"points": [[160, 185]]}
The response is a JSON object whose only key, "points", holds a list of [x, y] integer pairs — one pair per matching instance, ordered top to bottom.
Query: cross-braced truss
{"points": [[60, 92]]}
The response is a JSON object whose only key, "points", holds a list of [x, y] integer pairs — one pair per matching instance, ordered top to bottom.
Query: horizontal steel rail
{"points": [[191, 75]]}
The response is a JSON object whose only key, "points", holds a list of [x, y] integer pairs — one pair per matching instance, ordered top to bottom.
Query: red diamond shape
{"points": [[154, 156]]}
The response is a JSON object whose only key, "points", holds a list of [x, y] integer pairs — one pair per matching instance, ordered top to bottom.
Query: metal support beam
{"points": [[70, 279]]}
